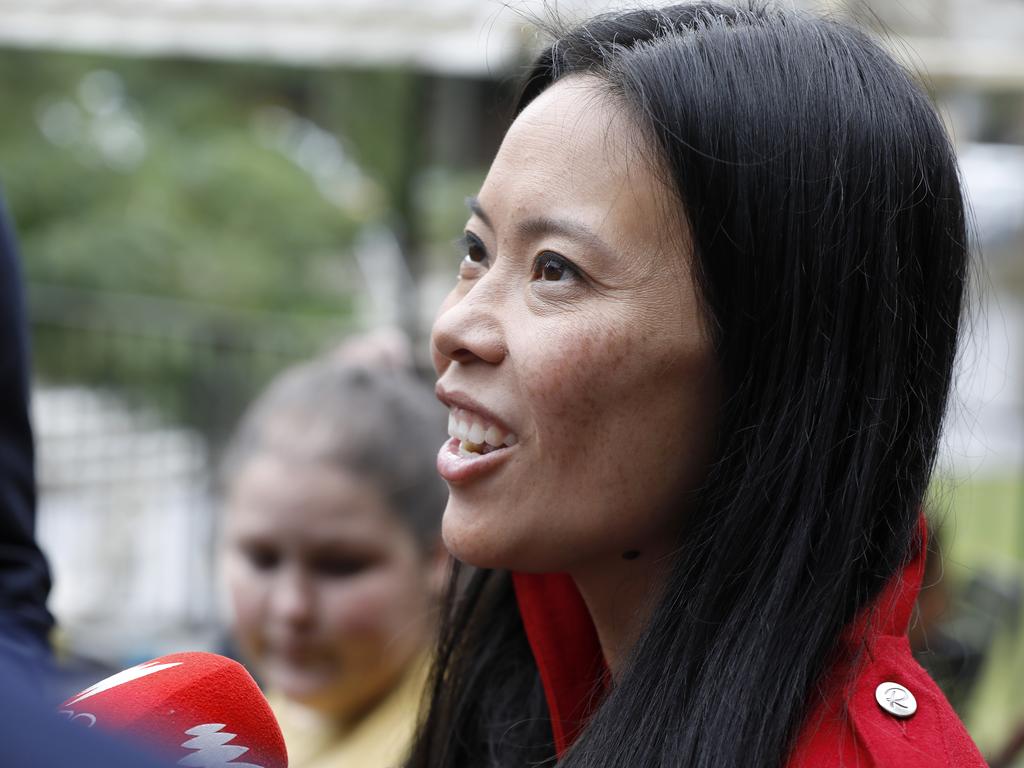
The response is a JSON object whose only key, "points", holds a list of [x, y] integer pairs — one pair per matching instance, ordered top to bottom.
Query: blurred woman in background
{"points": [[697, 360], [333, 556]]}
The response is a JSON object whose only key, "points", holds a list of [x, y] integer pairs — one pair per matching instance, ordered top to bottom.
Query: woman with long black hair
{"points": [[697, 361]]}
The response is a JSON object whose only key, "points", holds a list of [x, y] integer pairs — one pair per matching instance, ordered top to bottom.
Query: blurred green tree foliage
{"points": [[187, 226]]}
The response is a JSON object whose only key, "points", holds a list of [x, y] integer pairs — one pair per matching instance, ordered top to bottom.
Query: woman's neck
{"points": [[620, 594]]}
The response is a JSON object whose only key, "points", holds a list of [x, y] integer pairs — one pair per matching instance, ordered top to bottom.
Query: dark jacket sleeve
{"points": [[24, 575], [32, 734]]}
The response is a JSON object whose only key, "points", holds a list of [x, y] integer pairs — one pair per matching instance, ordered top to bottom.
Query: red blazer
{"points": [[847, 727]]}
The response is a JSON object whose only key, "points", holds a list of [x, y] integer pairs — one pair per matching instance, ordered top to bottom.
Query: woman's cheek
{"points": [[568, 383], [363, 606], [249, 617]]}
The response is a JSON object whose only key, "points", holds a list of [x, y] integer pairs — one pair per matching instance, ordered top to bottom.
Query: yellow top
{"points": [[381, 739]]}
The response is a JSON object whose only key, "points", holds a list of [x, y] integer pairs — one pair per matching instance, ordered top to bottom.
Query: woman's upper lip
{"points": [[455, 399], [295, 650]]}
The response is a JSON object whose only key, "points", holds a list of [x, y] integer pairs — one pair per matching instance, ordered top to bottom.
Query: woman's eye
{"points": [[474, 252], [552, 268], [262, 559], [340, 566]]}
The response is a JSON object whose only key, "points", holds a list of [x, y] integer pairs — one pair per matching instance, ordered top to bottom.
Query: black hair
{"points": [[823, 201], [382, 425]]}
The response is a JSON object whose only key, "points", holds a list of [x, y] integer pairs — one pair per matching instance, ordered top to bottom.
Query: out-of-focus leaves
{"points": [[131, 179]]}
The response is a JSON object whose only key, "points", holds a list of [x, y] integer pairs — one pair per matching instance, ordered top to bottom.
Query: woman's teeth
{"points": [[475, 435]]}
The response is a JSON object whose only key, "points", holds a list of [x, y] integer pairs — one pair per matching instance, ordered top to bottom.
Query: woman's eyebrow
{"points": [[473, 203], [539, 226], [536, 227]]}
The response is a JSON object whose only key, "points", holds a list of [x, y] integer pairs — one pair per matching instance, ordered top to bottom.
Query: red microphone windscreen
{"points": [[200, 709]]}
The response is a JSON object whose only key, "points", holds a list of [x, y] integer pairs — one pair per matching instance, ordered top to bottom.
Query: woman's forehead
{"points": [[572, 126], [575, 152]]}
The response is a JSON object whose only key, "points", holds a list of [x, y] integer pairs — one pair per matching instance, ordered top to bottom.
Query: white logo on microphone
{"points": [[125, 676], [212, 748]]}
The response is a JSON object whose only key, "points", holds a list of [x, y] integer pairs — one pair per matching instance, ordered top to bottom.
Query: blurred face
{"points": [[572, 352], [332, 595]]}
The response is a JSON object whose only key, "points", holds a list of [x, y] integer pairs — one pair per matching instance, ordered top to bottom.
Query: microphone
{"points": [[200, 709]]}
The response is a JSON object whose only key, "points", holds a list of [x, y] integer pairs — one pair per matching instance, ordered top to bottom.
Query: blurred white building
{"points": [[464, 37], [976, 40], [119, 486]]}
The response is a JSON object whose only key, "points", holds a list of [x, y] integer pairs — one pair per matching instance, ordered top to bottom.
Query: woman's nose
{"points": [[468, 329], [292, 599]]}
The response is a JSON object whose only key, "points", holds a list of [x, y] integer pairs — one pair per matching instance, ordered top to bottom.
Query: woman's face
{"points": [[574, 338], [333, 596]]}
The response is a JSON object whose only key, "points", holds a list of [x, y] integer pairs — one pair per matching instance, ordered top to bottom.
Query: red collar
{"points": [[566, 649], [572, 667]]}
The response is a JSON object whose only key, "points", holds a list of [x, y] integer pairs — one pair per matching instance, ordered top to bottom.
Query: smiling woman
{"points": [[591, 351], [696, 361]]}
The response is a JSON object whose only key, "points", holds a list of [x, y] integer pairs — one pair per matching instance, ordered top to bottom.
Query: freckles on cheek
{"points": [[556, 358], [575, 383], [605, 383], [584, 395]]}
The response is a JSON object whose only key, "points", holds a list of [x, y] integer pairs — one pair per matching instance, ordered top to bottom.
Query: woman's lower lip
{"points": [[457, 468], [295, 652], [298, 662]]}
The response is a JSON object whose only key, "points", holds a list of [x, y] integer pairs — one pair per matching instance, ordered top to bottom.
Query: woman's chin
{"points": [[472, 539], [485, 539], [302, 687]]}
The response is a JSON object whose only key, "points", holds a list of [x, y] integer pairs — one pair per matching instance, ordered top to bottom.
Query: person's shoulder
{"points": [[884, 710]]}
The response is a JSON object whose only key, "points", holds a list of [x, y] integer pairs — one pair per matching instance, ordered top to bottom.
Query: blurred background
{"points": [[209, 190]]}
